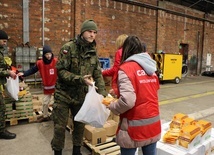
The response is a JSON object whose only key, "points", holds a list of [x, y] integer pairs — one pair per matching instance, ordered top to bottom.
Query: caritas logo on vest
{"points": [[51, 71], [141, 72]]}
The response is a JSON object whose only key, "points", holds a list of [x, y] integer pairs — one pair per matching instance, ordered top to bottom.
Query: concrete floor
{"points": [[193, 96]]}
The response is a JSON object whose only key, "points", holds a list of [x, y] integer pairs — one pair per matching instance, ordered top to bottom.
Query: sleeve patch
{"points": [[65, 51]]}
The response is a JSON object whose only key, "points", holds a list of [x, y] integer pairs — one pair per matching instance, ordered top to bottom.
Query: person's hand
{"points": [[12, 74], [20, 74], [88, 80], [112, 93]]}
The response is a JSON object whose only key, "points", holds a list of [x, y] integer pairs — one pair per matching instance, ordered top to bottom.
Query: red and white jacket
{"points": [[113, 72], [48, 73], [137, 106]]}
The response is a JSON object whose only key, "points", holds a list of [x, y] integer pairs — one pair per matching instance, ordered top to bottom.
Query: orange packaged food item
{"points": [[107, 100], [179, 117], [177, 120], [187, 121], [204, 125], [187, 134], [171, 136]]}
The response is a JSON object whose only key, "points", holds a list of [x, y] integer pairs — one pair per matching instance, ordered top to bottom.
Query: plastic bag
{"points": [[12, 87], [93, 112]]}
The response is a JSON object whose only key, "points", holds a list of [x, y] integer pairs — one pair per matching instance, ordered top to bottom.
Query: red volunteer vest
{"points": [[48, 73], [143, 118]]}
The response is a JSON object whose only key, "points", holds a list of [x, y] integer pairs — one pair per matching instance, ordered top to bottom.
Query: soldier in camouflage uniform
{"points": [[77, 62], [4, 72]]}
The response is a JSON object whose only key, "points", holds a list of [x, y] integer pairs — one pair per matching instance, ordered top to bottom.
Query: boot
{"points": [[43, 119], [7, 135], [76, 150], [57, 152]]}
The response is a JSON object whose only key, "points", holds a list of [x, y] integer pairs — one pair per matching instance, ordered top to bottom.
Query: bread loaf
{"points": [[107, 100]]}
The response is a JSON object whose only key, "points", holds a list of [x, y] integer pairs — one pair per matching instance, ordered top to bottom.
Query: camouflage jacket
{"points": [[76, 59], [3, 68]]}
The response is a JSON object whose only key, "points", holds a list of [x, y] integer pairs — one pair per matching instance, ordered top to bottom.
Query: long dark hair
{"points": [[131, 46]]}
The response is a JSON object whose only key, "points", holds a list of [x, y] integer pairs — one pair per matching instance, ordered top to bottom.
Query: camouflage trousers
{"points": [[2, 113], [60, 115]]}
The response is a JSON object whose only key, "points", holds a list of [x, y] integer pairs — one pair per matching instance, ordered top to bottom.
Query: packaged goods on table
{"points": [[187, 134]]}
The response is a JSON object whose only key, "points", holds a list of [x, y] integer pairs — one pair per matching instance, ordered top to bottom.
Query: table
{"points": [[205, 147]]}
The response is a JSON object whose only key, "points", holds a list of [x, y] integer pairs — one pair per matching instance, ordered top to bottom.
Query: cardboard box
{"points": [[110, 117], [114, 117], [111, 127], [212, 132], [95, 135], [206, 136], [195, 142], [200, 145], [212, 146], [159, 147], [208, 147], [169, 150]]}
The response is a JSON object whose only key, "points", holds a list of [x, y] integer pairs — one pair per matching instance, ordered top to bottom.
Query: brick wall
{"points": [[161, 29]]}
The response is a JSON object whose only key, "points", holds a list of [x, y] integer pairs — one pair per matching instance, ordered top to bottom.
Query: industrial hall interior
{"points": [[54, 52]]}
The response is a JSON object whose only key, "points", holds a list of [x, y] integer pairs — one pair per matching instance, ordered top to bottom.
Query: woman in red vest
{"points": [[47, 68], [112, 72], [137, 105]]}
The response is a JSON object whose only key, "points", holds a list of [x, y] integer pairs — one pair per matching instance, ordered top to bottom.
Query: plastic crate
{"points": [[18, 51], [26, 51], [33, 51], [18, 58], [25, 59], [33, 59], [105, 63], [25, 66]]}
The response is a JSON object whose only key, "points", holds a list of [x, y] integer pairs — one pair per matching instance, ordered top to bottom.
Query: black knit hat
{"points": [[88, 25], [3, 35], [46, 49]]}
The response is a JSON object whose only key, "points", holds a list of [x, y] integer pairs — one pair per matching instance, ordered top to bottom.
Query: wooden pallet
{"points": [[39, 112], [14, 121], [108, 148]]}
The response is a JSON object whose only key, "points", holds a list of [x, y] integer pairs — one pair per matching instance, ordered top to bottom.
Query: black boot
{"points": [[7, 135], [76, 150], [57, 152]]}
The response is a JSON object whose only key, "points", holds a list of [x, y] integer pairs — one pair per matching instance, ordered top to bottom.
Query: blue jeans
{"points": [[147, 150]]}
